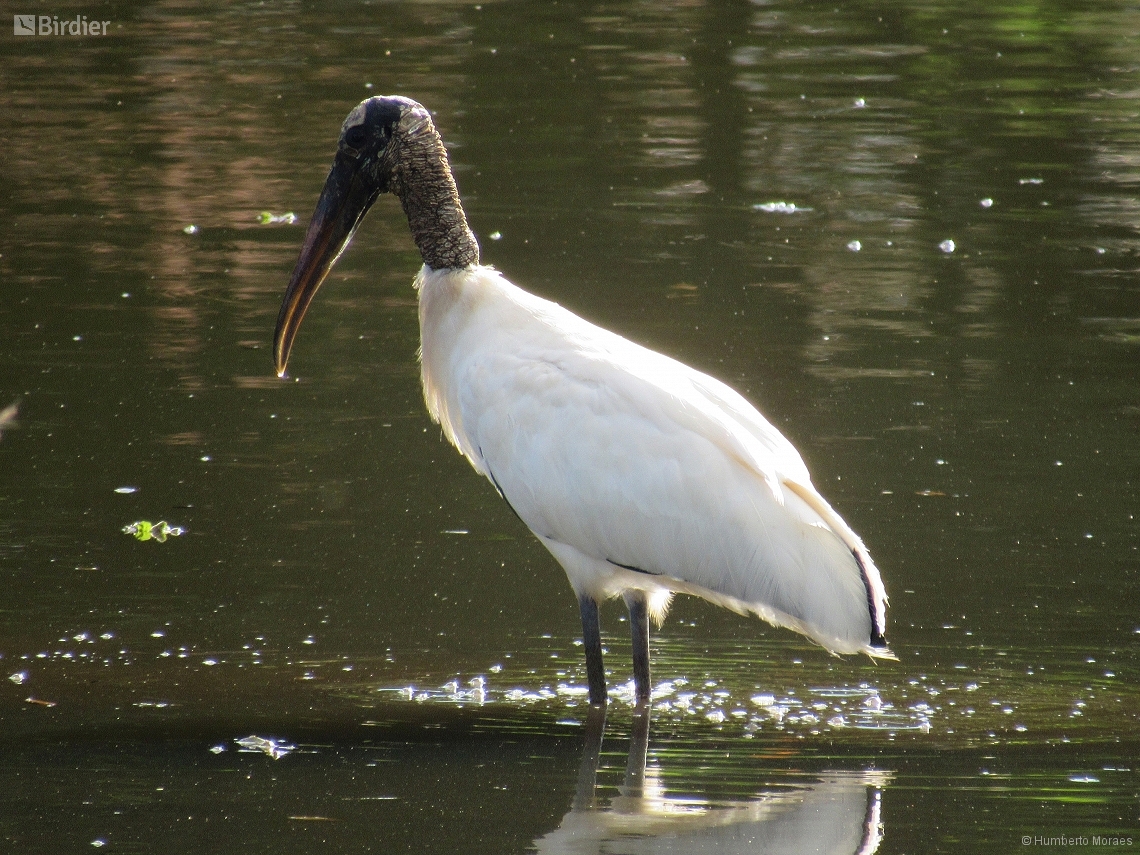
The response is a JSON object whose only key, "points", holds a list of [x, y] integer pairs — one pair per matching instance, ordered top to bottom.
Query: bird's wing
{"points": [[632, 459], [794, 477]]}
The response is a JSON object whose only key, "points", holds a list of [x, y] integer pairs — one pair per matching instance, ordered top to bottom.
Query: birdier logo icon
{"points": [[24, 25]]}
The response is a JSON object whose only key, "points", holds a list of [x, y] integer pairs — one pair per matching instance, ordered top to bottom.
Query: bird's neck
{"points": [[430, 199]]}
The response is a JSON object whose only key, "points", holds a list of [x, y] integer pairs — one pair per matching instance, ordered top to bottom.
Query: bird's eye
{"points": [[355, 138]]}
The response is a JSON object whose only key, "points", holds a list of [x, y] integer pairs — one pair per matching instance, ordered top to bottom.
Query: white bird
{"points": [[642, 476]]}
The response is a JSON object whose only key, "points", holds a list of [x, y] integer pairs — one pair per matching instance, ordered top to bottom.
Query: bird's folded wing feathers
{"points": [[633, 460]]}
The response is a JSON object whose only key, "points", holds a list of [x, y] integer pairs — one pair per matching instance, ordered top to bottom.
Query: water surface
{"points": [[908, 234]]}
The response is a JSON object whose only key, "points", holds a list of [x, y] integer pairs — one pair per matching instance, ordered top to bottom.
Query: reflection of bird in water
{"points": [[642, 476], [840, 813]]}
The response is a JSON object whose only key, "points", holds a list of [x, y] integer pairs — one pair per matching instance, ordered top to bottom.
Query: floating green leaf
{"points": [[268, 218], [146, 530]]}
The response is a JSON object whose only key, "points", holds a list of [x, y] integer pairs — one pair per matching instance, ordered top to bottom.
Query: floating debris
{"points": [[779, 208], [268, 218], [145, 530], [19, 677], [272, 747]]}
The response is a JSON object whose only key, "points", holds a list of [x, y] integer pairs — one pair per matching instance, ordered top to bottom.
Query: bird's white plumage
{"points": [[634, 470]]}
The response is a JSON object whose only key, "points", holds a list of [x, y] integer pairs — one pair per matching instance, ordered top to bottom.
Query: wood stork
{"points": [[642, 476]]}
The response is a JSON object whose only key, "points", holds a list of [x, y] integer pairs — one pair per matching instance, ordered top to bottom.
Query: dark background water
{"points": [[344, 579]]}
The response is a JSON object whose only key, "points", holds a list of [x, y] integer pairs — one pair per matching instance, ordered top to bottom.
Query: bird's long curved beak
{"points": [[348, 194]]}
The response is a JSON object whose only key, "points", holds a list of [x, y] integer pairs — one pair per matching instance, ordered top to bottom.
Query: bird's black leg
{"points": [[639, 629], [592, 640]]}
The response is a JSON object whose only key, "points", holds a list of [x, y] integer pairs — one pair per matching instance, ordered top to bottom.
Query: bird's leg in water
{"points": [[639, 629], [592, 641]]}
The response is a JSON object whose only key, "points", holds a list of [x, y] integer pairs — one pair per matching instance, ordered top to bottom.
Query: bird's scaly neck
{"points": [[426, 189]]}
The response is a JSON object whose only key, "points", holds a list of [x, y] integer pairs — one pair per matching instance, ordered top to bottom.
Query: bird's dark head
{"points": [[371, 136], [368, 163]]}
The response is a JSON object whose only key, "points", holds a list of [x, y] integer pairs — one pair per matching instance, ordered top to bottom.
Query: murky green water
{"points": [[909, 233]]}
